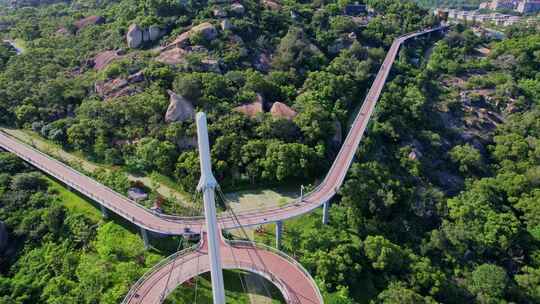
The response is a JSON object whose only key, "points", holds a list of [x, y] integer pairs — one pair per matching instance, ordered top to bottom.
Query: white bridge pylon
{"points": [[207, 185]]}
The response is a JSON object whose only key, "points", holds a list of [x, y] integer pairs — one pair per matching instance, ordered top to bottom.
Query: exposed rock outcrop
{"points": [[271, 5], [238, 9], [219, 13], [90, 20], [226, 24], [206, 29], [62, 32], [154, 32], [134, 36], [137, 36], [173, 56], [103, 59], [262, 63], [120, 86], [180, 109], [250, 109], [281, 110]]}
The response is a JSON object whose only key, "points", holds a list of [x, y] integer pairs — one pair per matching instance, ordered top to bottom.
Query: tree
{"points": [[295, 51], [467, 158], [284, 161], [10, 163], [188, 170], [31, 181], [384, 255], [529, 281], [488, 282], [397, 292]]}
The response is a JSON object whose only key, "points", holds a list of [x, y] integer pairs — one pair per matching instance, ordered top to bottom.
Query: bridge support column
{"points": [[207, 185], [326, 210], [104, 211], [279, 232], [144, 235]]}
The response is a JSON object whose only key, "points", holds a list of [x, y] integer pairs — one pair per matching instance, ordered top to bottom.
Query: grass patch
{"points": [[169, 182], [74, 202], [234, 290]]}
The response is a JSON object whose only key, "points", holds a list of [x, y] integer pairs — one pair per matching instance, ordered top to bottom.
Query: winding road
{"points": [[294, 282]]}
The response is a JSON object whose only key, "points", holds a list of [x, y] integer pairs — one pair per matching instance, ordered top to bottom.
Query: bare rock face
{"points": [[272, 5], [238, 9], [219, 13], [90, 20], [226, 24], [206, 29], [62, 32], [154, 32], [134, 36], [173, 56], [103, 59], [262, 63], [210, 65], [120, 86], [180, 109], [250, 109], [281, 110]]}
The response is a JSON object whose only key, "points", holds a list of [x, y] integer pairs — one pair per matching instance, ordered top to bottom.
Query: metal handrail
{"points": [[281, 254], [239, 265], [131, 293]]}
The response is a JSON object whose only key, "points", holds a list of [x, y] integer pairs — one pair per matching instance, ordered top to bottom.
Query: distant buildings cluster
{"points": [[520, 6], [477, 17]]}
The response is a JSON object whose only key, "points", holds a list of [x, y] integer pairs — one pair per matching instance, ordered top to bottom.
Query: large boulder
{"points": [[238, 9], [219, 12], [226, 24], [206, 29], [154, 32], [134, 36], [180, 42], [173, 56], [103, 59], [262, 63], [120, 86], [180, 109], [252, 109], [281, 110]]}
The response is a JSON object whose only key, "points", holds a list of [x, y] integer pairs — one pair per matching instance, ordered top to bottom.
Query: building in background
{"points": [[528, 6]]}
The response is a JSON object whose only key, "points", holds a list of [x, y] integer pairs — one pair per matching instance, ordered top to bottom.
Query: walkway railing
{"points": [[236, 243], [163, 263]]}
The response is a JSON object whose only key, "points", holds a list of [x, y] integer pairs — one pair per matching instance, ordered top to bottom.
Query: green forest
{"points": [[442, 203]]}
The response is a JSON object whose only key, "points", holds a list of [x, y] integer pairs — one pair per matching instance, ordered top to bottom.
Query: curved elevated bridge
{"points": [[298, 288]]}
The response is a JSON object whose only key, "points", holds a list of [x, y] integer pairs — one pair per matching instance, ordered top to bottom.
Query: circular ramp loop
{"points": [[292, 280]]}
